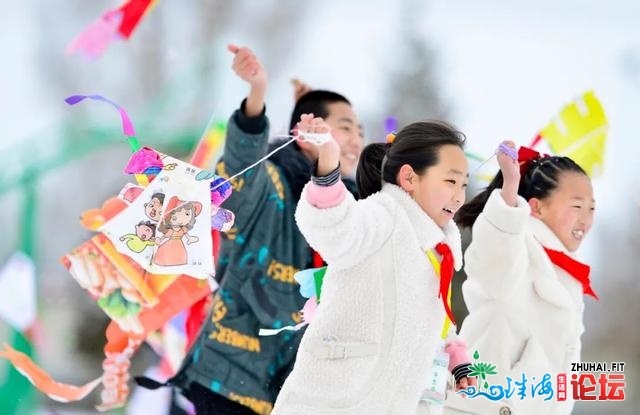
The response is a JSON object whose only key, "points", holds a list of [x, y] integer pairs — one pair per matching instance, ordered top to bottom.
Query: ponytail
{"points": [[417, 145], [369, 170], [468, 213]]}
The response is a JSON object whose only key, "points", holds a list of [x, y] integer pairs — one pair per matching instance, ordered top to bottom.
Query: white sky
{"points": [[505, 68]]}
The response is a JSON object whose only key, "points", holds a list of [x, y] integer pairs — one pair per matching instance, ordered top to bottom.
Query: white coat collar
{"points": [[429, 234], [546, 237], [547, 282]]}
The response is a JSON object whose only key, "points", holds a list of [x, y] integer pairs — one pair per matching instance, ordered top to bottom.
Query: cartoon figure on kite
{"points": [[154, 206], [179, 219], [144, 236]]}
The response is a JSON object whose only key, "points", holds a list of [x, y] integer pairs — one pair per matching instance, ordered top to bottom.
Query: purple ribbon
{"points": [[127, 125]]}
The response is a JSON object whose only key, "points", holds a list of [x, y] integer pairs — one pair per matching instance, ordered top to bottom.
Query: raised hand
{"points": [[249, 68], [320, 135], [508, 161]]}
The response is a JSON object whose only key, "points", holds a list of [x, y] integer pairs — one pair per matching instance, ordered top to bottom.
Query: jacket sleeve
{"points": [[246, 142], [346, 232], [497, 256], [275, 304], [457, 350]]}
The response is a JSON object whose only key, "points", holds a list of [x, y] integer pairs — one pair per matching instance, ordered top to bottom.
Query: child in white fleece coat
{"points": [[524, 289], [375, 333]]}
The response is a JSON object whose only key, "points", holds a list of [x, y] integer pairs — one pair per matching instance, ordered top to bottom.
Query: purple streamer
{"points": [[127, 125]]}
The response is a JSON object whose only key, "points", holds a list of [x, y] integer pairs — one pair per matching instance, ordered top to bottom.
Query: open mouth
{"points": [[449, 211], [577, 233]]}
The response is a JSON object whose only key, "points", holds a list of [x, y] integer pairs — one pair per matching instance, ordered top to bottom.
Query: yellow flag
{"points": [[580, 133]]}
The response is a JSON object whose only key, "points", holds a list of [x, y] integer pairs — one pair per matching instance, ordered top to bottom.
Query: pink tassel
{"points": [[94, 40], [309, 310]]}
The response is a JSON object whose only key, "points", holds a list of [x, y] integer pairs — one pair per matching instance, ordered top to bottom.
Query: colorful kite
{"points": [[579, 132], [209, 149], [150, 260]]}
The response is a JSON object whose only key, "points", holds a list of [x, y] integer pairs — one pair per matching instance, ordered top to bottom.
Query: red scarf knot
{"points": [[576, 269]]}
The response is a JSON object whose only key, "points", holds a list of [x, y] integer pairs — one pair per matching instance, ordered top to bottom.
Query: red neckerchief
{"points": [[316, 260], [576, 269], [446, 275]]}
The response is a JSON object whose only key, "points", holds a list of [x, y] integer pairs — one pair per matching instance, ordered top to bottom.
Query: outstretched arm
{"points": [[248, 68], [247, 136], [342, 231], [497, 255]]}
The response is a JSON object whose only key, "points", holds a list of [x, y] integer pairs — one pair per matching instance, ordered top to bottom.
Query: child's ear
{"points": [[406, 178], [536, 207]]}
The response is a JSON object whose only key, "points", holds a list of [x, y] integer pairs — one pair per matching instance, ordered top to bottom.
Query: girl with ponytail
{"points": [[524, 287], [384, 308]]}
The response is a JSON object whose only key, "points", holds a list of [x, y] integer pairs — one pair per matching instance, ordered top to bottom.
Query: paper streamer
{"points": [[113, 25], [96, 38], [127, 125], [210, 145], [41, 380]]}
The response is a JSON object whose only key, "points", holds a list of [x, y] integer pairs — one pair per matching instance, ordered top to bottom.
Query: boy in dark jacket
{"points": [[229, 369]]}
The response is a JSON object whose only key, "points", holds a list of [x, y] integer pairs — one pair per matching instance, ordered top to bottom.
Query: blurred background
{"points": [[497, 69]]}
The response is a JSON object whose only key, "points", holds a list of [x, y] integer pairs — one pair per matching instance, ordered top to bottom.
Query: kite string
{"points": [[293, 138], [502, 148], [482, 164]]}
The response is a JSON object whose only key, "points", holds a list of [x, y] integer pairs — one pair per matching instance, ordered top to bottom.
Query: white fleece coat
{"points": [[380, 289], [525, 312]]}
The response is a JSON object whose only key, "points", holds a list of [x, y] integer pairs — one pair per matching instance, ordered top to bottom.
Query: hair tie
{"points": [[391, 137], [528, 156]]}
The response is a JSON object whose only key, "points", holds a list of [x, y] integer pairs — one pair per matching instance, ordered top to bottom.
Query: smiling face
{"points": [[347, 132], [440, 189], [568, 211], [144, 232]]}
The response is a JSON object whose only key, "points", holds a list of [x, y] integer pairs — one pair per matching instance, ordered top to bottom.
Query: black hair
{"points": [[315, 102], [417, 145], [295, 165], [539, 180], [159, 196], [149, 225]]}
